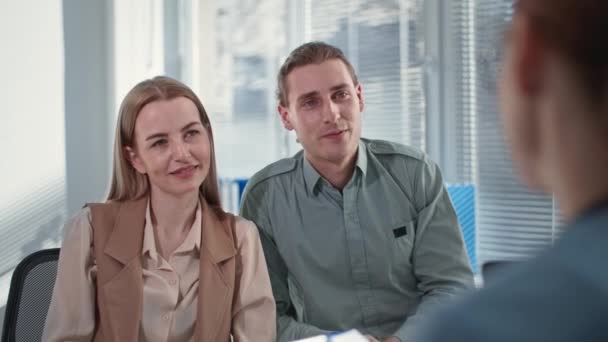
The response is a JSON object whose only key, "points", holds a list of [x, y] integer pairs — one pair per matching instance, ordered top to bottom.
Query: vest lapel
{"points": [[216, 283], [123, 293]]}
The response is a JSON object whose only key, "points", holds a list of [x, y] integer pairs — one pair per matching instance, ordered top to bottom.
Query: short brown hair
{"points": [[576, 29], [305, 54], [127, 183]]}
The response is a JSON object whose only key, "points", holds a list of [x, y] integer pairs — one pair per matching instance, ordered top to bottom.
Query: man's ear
{"points": [[359, 92], [284, 114], [134, 160]]}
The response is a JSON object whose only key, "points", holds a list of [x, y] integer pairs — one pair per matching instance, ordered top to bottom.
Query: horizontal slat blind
{"points": [[371, 33], [513, 223]]}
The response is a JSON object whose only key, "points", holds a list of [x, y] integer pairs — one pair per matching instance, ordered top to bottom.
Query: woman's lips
{"points": [[185, 172]]}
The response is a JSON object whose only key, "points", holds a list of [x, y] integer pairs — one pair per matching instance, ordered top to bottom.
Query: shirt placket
{"points": [[357, 253], [171, 279]]}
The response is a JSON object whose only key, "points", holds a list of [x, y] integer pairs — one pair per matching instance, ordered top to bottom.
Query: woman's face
{"points": [[518, 104], [172, 147]]}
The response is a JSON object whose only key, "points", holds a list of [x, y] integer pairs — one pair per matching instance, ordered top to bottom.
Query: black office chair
{"points": [[491, 270], [30, 296]]}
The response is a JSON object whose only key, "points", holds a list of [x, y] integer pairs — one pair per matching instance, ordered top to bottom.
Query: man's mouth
{"points": [[336, 133]]}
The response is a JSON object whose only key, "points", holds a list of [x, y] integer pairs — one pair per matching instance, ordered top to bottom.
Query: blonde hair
{"points": [[128, 184]]}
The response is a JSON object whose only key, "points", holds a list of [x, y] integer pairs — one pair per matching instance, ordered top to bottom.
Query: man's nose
{"points": [[331, 112]]}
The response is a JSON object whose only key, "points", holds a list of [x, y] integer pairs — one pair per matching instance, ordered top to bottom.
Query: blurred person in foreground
{"points": [[554, 103], [160, 260]]}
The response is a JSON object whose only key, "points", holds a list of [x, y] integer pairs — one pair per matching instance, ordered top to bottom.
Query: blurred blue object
{"points": [[241, 182], [462, 195], [463, 198]]}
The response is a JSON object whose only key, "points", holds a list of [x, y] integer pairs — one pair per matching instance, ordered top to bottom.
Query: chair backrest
{"points": [[491, 270], [30, 296]]}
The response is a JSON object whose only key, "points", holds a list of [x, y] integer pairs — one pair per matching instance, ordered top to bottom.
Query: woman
{"points": [[554, 101], [161, 260]]}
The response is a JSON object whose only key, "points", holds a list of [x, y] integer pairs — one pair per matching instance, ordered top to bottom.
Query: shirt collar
{"points": [[362, 158], [312, 177], [193, 239], [191, 242]]}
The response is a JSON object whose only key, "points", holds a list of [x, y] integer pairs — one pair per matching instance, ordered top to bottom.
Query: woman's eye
{"points": [[192, 132], [159, 142]]}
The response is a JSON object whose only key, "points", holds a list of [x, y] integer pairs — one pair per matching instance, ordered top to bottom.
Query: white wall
{"points": [[31, 65], [89, 88], [32, 161]]}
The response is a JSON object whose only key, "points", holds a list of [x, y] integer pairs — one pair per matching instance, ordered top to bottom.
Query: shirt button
{"points": [[172, 281], [165, 317]]}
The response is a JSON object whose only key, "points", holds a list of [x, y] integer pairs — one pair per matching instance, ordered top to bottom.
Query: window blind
{"points": [[246, 40], [384, 42], [33, 196], [513, 223]]}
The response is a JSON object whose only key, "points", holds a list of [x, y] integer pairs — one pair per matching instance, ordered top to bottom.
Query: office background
{"points": [[428, 70]]}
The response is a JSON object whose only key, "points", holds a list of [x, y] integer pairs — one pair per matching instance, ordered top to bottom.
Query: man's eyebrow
{"points": [[339, 86], [314, 93], [307, 95]]}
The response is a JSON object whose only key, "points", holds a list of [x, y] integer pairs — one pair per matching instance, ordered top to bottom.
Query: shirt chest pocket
{"points": [[401, 235]]}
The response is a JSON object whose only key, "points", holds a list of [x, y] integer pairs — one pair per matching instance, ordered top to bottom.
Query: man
{"points": [[554, 91], [357, 233]]}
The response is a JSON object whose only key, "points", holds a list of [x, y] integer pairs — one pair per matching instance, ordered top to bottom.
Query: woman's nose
{"points": [[180, 151]]}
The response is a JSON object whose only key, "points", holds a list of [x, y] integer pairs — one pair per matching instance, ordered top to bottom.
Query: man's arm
{"points": [[254, 208], [439, 258]]}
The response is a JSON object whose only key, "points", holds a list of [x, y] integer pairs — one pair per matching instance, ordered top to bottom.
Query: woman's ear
{"points": [[529, 56], [134, 159]]}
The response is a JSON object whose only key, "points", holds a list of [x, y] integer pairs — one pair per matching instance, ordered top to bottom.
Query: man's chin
{"points": [[338, 156]]}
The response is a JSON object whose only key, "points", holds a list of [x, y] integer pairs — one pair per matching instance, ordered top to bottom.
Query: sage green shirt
{"points": [[373, 256]]}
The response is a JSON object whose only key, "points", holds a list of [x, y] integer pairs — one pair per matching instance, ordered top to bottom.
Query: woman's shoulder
{"points": [[81, 217], [78, 227], [245, 230]]}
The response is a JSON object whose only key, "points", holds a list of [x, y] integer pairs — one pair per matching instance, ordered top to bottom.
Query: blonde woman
{"points": [[160, 260]]}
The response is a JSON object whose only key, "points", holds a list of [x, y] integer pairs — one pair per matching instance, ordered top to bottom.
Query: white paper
{"points": [[348, 336]]}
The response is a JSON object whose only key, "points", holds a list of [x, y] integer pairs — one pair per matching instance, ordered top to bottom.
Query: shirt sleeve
{"points": [[439, 258], [254, 309], [71, 315], [288, 328]]}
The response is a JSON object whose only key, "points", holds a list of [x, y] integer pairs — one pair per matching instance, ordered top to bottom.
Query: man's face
{"points": [[324, 108]]}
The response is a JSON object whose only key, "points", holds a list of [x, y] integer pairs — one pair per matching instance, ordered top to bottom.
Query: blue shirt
{"points": [[562, 295]]}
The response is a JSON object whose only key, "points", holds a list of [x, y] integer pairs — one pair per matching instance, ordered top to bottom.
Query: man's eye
{"points": [[342, 94], [309, 103]]}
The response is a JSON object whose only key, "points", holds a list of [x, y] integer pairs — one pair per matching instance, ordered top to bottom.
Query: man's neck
{"points": [[337, 173]]}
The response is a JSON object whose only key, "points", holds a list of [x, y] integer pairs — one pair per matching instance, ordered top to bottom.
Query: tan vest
{"points": [[118, 230]]}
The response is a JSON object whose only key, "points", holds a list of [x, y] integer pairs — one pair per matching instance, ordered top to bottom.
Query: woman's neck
{"points": [[580, 168], [584, 185], [173, 215]]}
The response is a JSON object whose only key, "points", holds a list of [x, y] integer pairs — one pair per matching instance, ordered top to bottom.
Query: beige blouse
{"points": [[170, 290]]}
